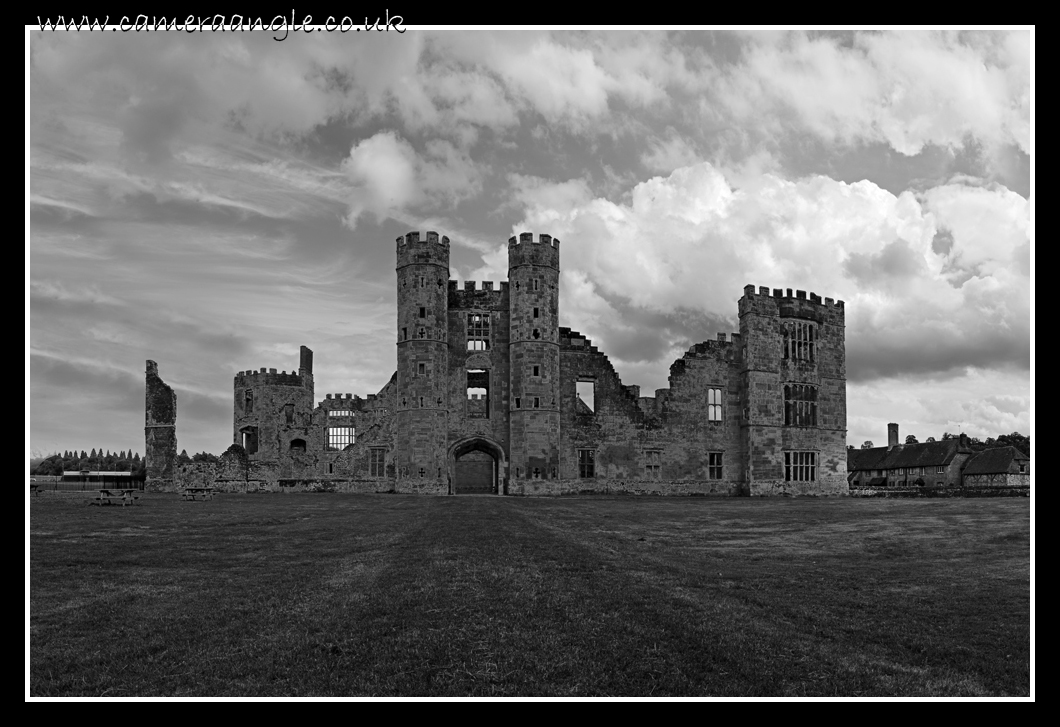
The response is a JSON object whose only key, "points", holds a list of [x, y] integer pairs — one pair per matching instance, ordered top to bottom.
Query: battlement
{"points": [[413, 237], [430, 249], [523, 249], [464, 296], [789, 304], [267, 377], [346, 402]]}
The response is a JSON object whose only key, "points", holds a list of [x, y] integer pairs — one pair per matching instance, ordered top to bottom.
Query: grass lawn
{"points": [[359, 595]]}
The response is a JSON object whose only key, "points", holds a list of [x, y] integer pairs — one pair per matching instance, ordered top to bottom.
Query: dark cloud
{"points": [[942, 242], [922, 352]]}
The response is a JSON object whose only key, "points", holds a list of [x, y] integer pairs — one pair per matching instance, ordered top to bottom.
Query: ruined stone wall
{"points": [[493, 301], [767, 328], [160, 431], [1006, 479]]}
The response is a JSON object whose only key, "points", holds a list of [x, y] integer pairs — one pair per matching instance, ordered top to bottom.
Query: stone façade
{"points": [[485, 399]]}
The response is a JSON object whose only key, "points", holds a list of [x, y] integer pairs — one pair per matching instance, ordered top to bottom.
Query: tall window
{"points": [[478, 332], [800, 341], [478, 393], [248, 401], [713, 405], [800, 405], [339, 438], [377, 462], [587, 463], [653, 464], [800, 466], [714, 468]]}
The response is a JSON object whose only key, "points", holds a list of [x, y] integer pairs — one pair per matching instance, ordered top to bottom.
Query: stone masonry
{"points": [[492, 395]]}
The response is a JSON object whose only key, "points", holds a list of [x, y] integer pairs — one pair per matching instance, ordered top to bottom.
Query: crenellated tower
{"points": [[794, 391], [534, 398], [421, 406], [273, 408]]}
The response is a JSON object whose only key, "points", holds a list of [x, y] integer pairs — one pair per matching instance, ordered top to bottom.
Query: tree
{"points": [[911, 439], [930, 439], [867, 444], [850, 447]]}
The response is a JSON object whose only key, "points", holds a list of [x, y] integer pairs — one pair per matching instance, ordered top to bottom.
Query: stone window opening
{"points": [[423, 282], [535, 284], [423, 312], [536, 312], [423, 332], [478, 332], [537, 333], [404, 334], [800, 341], [421, 369], [537, 370], [585, 392], [478, 394], [248, 402], [421, 402], [537, 402], [518, 403], [713, 405], [800, 405], [288, 413], [340, 413], [249, 435], [338, 438], [297, 445], [377, 462], [586, 463], [653, 464], [714, 466], [800, 466], [331, 468], [423, 472], [537, 473]]}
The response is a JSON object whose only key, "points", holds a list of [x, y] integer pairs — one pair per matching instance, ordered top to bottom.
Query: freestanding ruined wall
{"points": [[160, 431]]}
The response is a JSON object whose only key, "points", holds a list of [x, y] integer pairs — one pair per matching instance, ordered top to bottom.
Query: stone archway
{"points": [[477, 467]]}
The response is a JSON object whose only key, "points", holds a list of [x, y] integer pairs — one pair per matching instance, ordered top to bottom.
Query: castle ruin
{"points": [[492, 395]]}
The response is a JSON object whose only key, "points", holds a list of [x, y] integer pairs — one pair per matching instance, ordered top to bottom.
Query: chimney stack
{"points": [[892, 435]]}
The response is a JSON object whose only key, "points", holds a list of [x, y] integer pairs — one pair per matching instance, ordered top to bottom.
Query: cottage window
{"points": [[586, 463], [800, 466], [940, 469]]}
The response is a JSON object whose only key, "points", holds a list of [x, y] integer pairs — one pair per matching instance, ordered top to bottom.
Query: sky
{"points": [[212, 201]]}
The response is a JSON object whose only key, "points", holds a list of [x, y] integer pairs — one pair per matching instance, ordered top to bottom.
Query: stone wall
{"points": [[160, 431]]}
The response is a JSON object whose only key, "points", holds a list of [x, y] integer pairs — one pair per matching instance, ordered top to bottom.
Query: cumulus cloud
{"points": [[389, 177], [690, 241]]}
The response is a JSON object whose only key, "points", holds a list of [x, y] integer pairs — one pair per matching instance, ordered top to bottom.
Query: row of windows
{"points": [[939, 469]]}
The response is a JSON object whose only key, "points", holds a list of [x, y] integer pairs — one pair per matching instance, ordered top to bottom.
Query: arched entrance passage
{"points": [[477, 465]]}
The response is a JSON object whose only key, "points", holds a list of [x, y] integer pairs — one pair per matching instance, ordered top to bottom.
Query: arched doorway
{"points": [[477, 466]]}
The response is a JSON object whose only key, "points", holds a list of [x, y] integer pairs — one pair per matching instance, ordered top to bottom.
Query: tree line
{"points": [[1017, 440], [74, 461]]}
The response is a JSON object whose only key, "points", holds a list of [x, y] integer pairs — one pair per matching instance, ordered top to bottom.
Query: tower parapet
{"points": [[430, 249], [523, 249]]}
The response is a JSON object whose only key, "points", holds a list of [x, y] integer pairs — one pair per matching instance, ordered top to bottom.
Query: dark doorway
{"points": [[475, 474]]}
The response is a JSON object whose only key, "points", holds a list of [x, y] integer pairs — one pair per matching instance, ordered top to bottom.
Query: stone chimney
{"points": [[892, 435]]}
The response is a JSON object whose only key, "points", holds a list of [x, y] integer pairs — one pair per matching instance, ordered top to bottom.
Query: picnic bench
{"points": [[201, 493], [109, 497]]}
